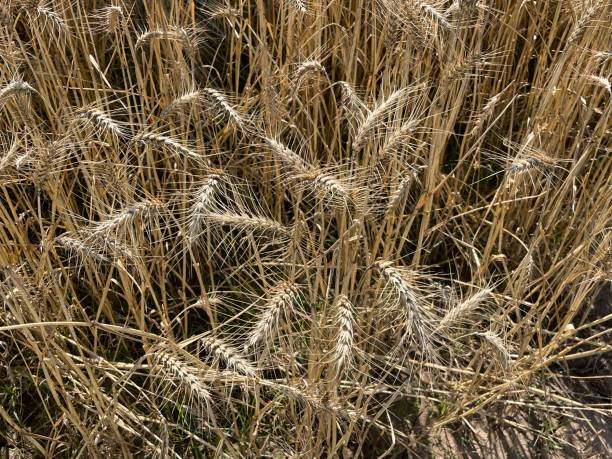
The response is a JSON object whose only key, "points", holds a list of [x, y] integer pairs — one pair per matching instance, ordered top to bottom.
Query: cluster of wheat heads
{"points": [[294, 228]]}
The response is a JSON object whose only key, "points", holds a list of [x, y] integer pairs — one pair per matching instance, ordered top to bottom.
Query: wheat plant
{"points": [[248, 228]]}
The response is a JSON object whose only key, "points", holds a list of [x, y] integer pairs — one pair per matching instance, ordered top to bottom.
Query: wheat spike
{"points": [[299, 6], [430, 10], [49, 16], [113, 18], [583, 22], [171, 34], [307, 68], [601, 82], [14, 88], [183, 102], [219, 103], [353, 107], [487, 111], [377, 116], [102, 122], [398, 138], [168, 142], [287, 156], [525, 164], [328, 189], [397, 200], [203, 203], [125, 217], [249, 223], [82, 249], [407, 296], [409, 302], [278, 307], [463, 310], [345, 335], [499, 348], [230, 356], [184, 376]]}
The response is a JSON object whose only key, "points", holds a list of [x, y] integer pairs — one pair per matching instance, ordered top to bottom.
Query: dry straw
{"points": [[274, 228]]}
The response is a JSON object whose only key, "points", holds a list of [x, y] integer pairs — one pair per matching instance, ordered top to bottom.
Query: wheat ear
{"points": [[51, 17], [14, 88], [218, 101], [183, 102], [353, 108], [376, 116], [102, 122], [168, 142], [287, 156], [398, 199], [202, 204], [125, 216], [257, 224], [409, 301], [278, 307], [463, 310], [345, 335], [498, 347], [230, 356], [174, 367]]}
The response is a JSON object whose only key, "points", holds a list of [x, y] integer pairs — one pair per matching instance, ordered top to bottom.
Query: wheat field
{"points": [[302, 228]]}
